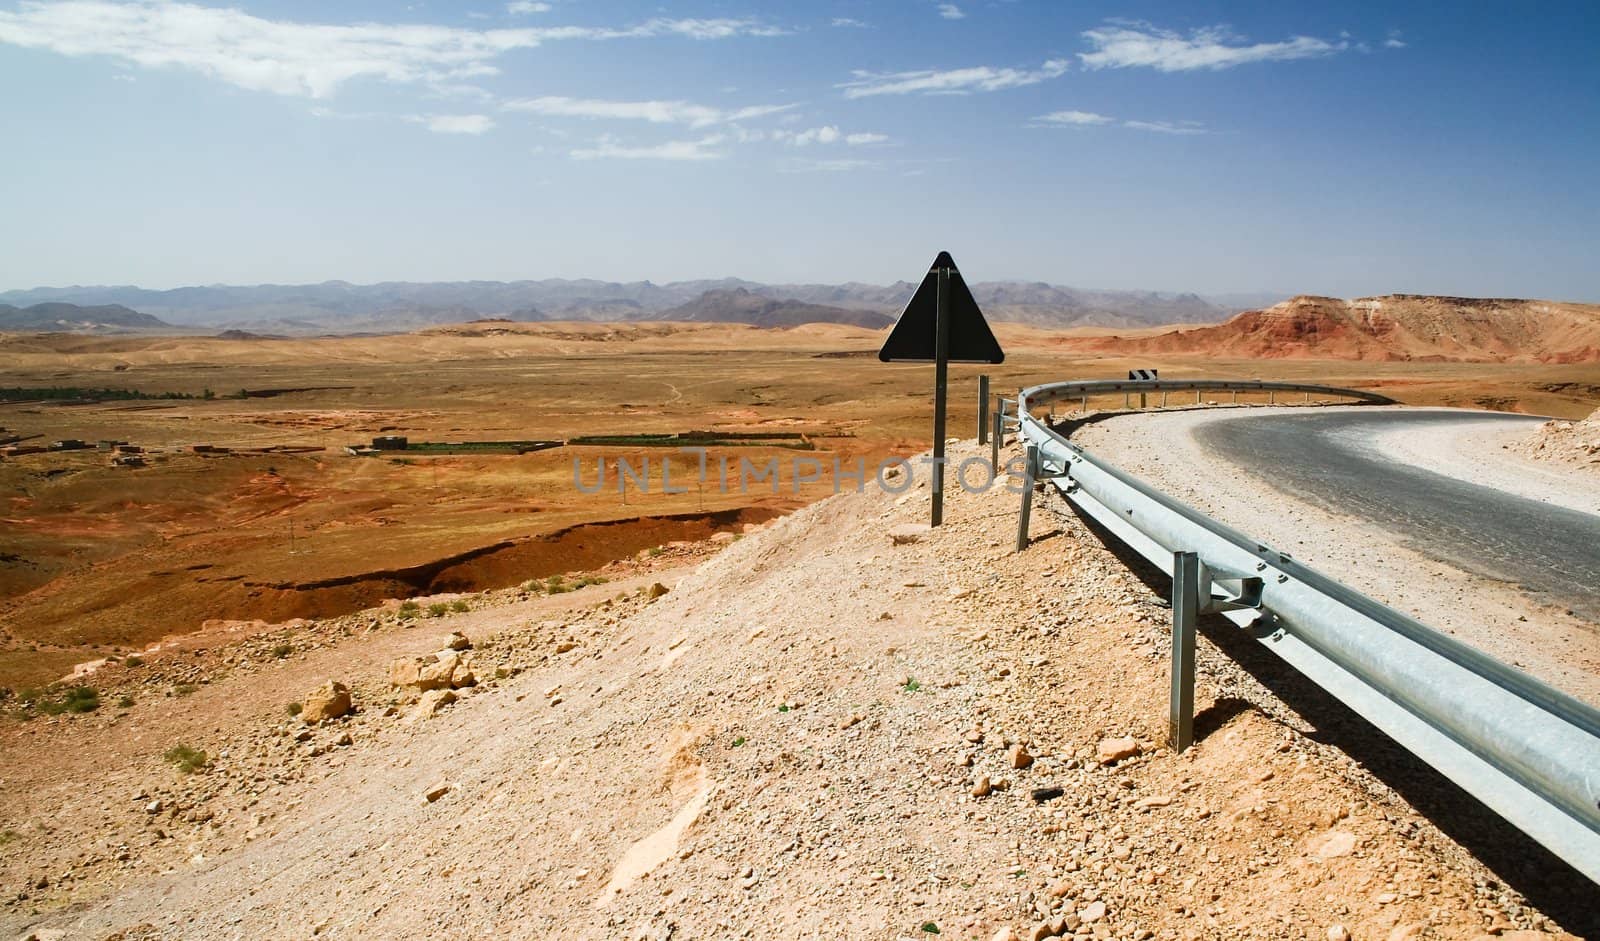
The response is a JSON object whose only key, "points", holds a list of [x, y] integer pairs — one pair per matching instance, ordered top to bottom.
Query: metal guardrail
{"points": [[1526, 750]]}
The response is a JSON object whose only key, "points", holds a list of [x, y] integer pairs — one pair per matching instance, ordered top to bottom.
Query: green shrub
{"points": [[460, 606], [409, 609], [438, 609], [281, 651], [134, 661], [911, 684], [184, 689], [75, 699], [125, 702], [293, 708], [186, 759], [9, 836]]}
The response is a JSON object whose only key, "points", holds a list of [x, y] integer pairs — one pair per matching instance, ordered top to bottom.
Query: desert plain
{"points": [[203, 594]]}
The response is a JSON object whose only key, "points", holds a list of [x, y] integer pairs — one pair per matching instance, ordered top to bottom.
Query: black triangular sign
{"points": [[912, 339]]}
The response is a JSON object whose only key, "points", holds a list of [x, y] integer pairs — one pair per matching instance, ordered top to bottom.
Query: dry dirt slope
{"points": [[792, 743]]}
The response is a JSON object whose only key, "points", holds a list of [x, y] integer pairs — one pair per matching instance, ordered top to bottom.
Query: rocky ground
{"points": [[1573, 443], [840, 725]]}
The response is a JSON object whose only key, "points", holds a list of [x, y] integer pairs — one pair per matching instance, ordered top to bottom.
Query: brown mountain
{"points": [[1391, 327]]}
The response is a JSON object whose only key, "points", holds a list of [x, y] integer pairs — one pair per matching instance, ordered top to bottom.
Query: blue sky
{"points": [[1213, 147]]}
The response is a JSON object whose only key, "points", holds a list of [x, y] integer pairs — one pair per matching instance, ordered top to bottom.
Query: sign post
{"points": [[942, 324], [983, 409]]}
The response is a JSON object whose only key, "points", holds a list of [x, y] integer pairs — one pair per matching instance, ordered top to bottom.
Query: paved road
{"points": [[1551, 552]]}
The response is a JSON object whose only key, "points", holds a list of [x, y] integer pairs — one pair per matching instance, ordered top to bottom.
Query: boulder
{"points": [[457, 641], [444, 670], [328, 701], [431, 702], [1116, 749]]}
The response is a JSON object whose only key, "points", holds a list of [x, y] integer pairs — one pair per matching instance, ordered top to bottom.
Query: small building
{"points": [[390, 443], [70, 444], [127, 460]]}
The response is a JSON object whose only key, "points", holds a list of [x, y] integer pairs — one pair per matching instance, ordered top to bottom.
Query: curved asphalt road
{"points": [[1549, 551]]}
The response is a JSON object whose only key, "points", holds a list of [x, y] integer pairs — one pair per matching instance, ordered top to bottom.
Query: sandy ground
{"points": [[1542, 639], [817, 733]]}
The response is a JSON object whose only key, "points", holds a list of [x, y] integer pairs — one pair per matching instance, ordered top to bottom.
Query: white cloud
{"points": [[527, 6], [951, 12], [850, 22], [706, 29], [1394, 41], [1210, 48], [309, 59], [951, 82], [655, 112], [1072, 118], [1091, 119], [454, 123], [1167, 127], [827, 134], [607, 148]]}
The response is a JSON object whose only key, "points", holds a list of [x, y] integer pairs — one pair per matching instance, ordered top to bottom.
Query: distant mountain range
{"points": [[742, 306], [341, 307], [56, 316]]}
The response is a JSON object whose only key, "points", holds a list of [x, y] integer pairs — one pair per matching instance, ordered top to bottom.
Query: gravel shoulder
{"points": [[1482, 452], [1542, 638], [817, 732]]}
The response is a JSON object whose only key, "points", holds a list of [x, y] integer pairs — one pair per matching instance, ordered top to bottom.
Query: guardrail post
{"points": [[1142, 400], [983, 409], [995, 433], [1030, 467], [1185, 614]]}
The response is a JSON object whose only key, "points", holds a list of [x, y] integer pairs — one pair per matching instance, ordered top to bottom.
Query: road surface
{"points": [[1329, 460], [1341, 493]]}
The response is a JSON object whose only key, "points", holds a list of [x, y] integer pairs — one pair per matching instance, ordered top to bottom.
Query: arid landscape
{"points": [[509, 469], [277, 521], [241, 539]]}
